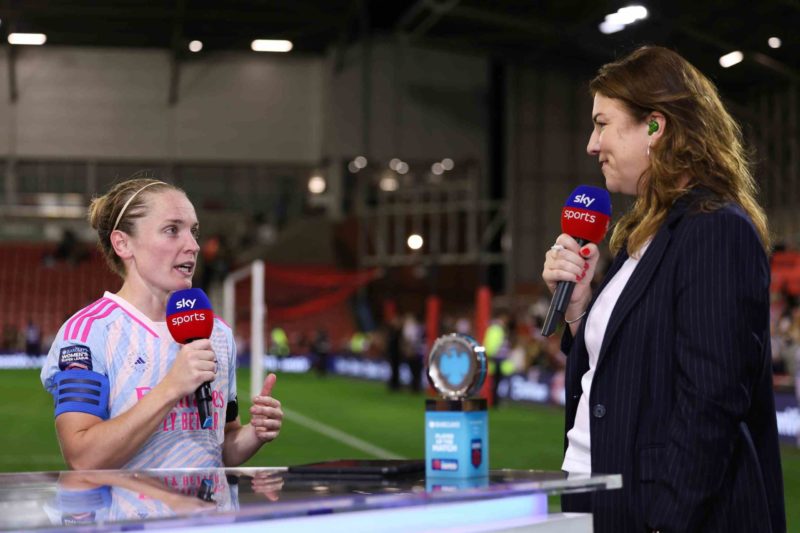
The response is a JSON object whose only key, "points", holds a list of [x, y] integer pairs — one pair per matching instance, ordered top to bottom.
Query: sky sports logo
{"points": [[583, 199], [580, 215], [186, 302], [190, 310], [189, 315], [188, 318]]}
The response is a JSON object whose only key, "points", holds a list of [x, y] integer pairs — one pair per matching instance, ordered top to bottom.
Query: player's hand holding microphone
{"points": [[570, 263], [190, 320], [194, 365]]}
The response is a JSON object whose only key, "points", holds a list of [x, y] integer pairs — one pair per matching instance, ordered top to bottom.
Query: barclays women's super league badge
{"points": [[456, 426]]}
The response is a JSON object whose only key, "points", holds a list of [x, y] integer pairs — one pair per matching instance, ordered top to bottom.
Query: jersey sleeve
{"points": [[75, 373]]}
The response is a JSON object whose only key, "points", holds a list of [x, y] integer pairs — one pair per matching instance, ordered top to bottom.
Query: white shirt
{"points": [[578, 457]]}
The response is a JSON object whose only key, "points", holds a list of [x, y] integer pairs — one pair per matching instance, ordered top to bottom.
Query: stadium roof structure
{"points": [[558, 32]]}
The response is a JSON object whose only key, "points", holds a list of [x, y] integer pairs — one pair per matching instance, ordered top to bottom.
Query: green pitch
{"points": [[521, 436]]}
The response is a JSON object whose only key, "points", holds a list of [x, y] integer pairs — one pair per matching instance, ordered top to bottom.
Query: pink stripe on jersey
{"points": [[220, 319], [75, 322], [88, 326], [153, 333]]}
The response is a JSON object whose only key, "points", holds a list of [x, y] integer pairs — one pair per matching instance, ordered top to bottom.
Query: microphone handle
{"points": [[559, 303], [203, 398], [206, 490]]}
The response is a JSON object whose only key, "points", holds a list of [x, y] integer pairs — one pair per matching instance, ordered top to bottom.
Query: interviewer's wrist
{"points": [[576, 311], [577, 317]]}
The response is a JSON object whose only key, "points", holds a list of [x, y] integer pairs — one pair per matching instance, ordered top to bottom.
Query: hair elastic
{"points": [[124, 207]]}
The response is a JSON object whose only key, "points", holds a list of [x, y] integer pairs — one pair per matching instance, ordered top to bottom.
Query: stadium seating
{"points": [[47, 292]]}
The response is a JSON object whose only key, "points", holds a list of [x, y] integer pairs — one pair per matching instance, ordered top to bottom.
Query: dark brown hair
{"points": [[701, 141]]}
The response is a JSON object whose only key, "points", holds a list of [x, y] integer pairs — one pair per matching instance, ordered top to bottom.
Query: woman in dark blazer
{"points": [[668, 376]]}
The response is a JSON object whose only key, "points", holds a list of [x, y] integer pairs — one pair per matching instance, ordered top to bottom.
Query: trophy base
{"points": [[465, 405], [456, 438]]}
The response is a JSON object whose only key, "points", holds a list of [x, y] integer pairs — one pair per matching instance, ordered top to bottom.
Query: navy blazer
{"points": [[682, 403]]}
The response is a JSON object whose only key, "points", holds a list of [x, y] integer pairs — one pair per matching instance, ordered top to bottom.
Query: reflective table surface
{"points": [[115, 500]]}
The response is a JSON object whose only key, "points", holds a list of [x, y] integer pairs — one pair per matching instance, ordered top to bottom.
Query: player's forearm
{"points": [[112, 443], [240, 445]]}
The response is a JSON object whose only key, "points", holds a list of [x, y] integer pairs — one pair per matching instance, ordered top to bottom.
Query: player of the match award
{"points": [[456, 425]]}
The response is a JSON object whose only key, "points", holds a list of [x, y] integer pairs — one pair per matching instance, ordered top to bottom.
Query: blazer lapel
{"points": [[619, 260], [616, 264], [640, 279]]}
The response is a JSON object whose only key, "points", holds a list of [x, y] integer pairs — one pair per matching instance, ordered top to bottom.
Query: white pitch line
{"points": [[341, 436]]}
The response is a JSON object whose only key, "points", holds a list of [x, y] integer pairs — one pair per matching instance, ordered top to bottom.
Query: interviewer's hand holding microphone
{"points": [[570, 263]]}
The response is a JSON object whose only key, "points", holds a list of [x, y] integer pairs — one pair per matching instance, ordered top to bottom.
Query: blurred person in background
{"points": [[257, 232], [69, 249], [216, 261], [463, 326], [33, 338], [280, 342], [358, 344], [496, 344], [782, 344], [413, 347], [320, 348], [394, 352], [546, 354], [518, 360], [669, 376], [124, 389]]}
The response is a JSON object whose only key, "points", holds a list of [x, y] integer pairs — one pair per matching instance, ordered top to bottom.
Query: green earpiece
{"points": [[652, 127]]}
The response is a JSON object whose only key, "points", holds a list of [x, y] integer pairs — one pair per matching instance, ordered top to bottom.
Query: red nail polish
{"points": [[585, 252], [586, 265]]}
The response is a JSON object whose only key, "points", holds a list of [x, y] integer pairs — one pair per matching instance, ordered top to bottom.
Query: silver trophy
{"points": [[457, 366], [456, 424]]}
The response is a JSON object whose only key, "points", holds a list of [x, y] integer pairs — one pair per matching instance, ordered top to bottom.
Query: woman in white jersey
{"points": [[668, 377], [123, 388]]}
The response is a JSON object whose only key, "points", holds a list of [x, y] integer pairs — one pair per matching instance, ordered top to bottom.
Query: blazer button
{"points": [[599, 410]]}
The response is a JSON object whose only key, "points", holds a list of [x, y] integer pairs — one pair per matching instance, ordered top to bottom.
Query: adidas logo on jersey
{"points": [[137, 361]]}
